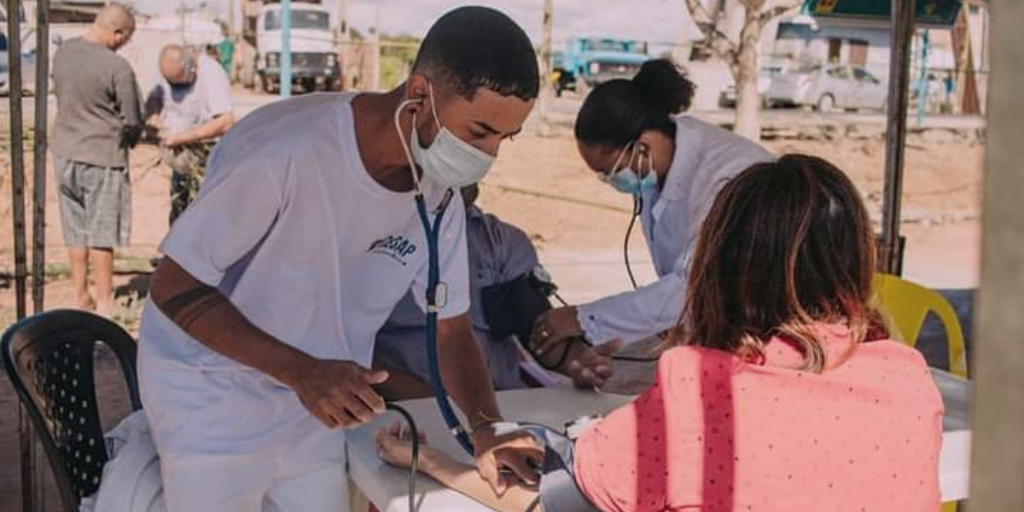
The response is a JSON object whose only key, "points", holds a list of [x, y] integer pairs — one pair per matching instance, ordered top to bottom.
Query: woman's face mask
{"points": [[449, 161], [626, 179]]}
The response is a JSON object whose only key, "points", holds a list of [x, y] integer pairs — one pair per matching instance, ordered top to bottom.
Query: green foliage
{"points": [[397, 54]]}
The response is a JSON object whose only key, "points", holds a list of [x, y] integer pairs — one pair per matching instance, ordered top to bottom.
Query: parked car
{"points": [[313, 44], [588, 62], [828, 87], [727, 98]]}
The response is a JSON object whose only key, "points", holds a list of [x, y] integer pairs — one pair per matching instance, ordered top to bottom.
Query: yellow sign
{"points": [[826, 6]]}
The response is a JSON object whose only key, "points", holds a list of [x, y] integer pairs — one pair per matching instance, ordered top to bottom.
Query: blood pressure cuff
{"points": [[510, 308], [558, 489]]}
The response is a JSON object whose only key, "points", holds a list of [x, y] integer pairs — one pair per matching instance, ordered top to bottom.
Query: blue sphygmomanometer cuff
{"points": [[558, 489]]}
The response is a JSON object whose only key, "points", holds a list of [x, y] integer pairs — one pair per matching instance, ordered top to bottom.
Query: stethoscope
{"points": [[638, 208], [434, 300]]}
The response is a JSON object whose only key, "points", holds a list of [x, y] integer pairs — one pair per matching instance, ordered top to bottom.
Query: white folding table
{"points": [[386, 487]]}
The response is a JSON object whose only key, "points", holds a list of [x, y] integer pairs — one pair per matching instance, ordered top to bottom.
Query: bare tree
{"points": [[742, 56]]}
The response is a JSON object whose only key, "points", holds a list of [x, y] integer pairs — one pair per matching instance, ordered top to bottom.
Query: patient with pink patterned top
{"points": [[785, 391]]}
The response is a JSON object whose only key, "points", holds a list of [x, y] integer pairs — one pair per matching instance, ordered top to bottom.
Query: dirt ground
{"points": [[541, 185]]}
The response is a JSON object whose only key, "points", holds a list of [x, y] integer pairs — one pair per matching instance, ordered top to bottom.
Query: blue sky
{"points": [[656, 21]]}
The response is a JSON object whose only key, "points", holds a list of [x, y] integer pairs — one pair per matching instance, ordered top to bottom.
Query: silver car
{"points": [[828, 87], [727, 98]]}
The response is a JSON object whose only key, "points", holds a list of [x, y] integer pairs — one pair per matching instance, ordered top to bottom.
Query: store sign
{"points": [[929, 12]]}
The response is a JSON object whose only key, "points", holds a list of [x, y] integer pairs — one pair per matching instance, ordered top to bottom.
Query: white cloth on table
{"points": [[131, 477]]}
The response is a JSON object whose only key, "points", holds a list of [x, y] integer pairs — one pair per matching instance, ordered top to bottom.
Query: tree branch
{"points": [[697, 10], [777, 11], [716, 39]]}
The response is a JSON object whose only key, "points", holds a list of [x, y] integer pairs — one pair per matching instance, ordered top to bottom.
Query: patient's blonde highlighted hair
{"points": [[786, 244]]}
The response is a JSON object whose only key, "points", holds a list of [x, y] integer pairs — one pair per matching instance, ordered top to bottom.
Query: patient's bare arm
{"points": [[396, 449]]}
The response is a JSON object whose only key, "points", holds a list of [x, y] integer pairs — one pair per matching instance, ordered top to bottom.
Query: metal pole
{"points": [[231, 19], [343, 20], [286, 48], [545, 68], [922, 77], [40, 138], [891, 247], [998, 367], [25, 441]]}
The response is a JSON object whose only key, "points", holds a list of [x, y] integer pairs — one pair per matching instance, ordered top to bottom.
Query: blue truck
{"points": [[589, 61]]}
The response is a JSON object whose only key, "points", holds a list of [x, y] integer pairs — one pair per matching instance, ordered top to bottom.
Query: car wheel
{"points": [[268, 84], [308, 85], [333, 85], [826, 103]]}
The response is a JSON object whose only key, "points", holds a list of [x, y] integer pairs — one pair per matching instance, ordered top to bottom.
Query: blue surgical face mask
{"points": [[449, 160], [626, 179]]}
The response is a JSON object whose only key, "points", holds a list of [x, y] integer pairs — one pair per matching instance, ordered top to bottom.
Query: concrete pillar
{"points": [[997, 471]]}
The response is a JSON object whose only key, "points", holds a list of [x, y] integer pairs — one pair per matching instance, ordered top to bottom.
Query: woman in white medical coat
{"points": [[632, 134]]}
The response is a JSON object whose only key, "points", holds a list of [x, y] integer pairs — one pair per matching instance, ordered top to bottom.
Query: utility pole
{"points": [[231, 19], [343, 19], [286, 48], [545, 65], [372, 82]]}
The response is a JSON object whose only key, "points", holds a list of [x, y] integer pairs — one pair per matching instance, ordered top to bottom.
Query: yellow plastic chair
{"points": [[908, 304]]}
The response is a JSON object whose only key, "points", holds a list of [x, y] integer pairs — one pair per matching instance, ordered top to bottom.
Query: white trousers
{"points": [[237, 441], [309, 476]]}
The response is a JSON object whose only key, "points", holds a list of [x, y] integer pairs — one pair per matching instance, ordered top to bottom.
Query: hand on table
{"points": [[555, 327], [594, 367], [339, 393], [394, 446], [517, 451]]}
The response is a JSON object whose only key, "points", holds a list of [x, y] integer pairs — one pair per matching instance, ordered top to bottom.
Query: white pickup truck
{"points": [[313, 48]]}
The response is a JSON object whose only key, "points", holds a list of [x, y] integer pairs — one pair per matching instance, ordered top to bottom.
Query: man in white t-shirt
{"points": [[193, 102], [256, 343]]}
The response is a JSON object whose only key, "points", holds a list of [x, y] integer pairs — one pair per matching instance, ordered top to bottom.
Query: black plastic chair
{"points": [[49, 359]]}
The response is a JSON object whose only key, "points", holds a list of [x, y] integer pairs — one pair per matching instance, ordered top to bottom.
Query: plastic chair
{"points": [[908, 304], [49, 359]]}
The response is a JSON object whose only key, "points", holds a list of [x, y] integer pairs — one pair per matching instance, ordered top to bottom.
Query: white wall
{"points": [[877, 39]]}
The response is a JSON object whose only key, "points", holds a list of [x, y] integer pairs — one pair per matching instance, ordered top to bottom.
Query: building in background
{"points": [[953, 56]]}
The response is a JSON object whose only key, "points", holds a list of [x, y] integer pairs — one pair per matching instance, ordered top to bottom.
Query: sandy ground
{"points": [[578, 223]]}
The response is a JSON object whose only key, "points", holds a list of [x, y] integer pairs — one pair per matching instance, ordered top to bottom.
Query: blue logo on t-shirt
{"points": [[396, 247]]}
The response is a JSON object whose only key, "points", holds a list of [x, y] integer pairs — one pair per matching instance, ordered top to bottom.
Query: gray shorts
{"points": [[95, 204]]}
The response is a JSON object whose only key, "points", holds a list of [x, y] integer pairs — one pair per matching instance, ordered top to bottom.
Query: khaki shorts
{"points": [[95, 204]]}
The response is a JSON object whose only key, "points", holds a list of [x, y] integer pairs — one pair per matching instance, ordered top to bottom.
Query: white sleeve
{"points": [[218, 90], [236, 207], [454, 264], [635, 315]]}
